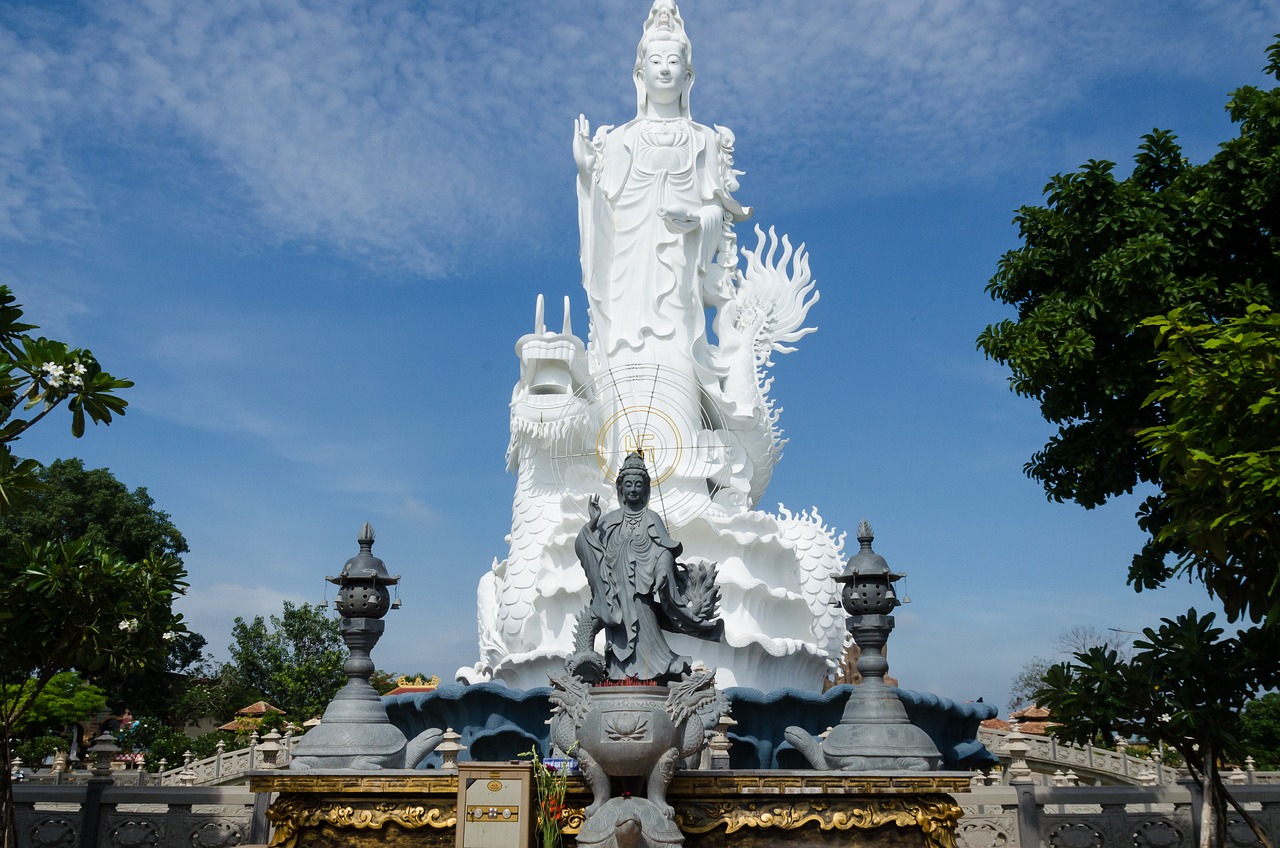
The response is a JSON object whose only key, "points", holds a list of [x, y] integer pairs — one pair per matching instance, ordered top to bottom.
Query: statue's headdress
{"points": [[664, 24], [633, 464]]}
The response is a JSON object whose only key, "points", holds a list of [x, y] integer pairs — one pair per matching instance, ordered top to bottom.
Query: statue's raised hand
{"points": [[584, 153], [593, 511]]}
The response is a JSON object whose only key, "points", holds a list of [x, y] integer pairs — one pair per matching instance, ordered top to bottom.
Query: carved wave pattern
{"points": [[292, 815], [936, 821]]}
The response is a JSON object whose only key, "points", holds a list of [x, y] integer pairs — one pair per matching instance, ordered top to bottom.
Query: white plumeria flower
{"points": [[78, 369], [53, 374], [75, 381], [129, 625], [169, 636], [1166, 718]]}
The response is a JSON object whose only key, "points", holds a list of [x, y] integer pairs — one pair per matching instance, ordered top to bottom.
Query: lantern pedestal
{"points": [[355, 731], [874, 734]]}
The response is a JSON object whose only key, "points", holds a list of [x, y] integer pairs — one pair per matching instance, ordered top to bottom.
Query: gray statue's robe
{"points": [[636, 593]]}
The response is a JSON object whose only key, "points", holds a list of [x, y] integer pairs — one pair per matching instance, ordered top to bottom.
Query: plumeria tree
{"points": [[37, 375], [66, 604], [1185, 685]]}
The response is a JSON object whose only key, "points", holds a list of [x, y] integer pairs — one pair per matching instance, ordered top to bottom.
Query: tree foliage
{"points": [[1174, 255], [1146, 331], [1219, 453], [70, 503], [74, 503], [65, 604], [1075, 639], [296, 662], [1185, 685], [210, 689], [161, 691], [66, 699], [1260, 730]]}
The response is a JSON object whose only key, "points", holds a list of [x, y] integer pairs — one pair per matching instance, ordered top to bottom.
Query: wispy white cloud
{"points": [[400, 134], [40, 194], [52, 306]]}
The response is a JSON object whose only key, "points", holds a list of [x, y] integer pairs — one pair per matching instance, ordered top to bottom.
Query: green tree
{"points": [[1176, 255], [1145, 330], [1219, 453], [74, 503], [65, 604], [73, 605], [1076, 639], [296, 663], [1185, 685], [211, 689], [161, 691], [65, 699], [1260, 730], [35, 750]]}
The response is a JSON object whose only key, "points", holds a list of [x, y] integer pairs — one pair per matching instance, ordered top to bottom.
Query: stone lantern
{"points": [[868, 582], [362, 585], [355, 731], [874, 733], [104, 748], [269, 750]]}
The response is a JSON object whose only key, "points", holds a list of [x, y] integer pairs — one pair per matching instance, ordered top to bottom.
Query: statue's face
{"points": [[665, 72], [633, 491]]}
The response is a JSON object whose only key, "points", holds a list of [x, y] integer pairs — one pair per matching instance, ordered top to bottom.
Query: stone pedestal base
{"points": [[714, 809]]}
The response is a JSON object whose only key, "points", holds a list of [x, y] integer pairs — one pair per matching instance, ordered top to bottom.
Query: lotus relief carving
{"points": [[626, 726], [54, 833], [134, 834]]}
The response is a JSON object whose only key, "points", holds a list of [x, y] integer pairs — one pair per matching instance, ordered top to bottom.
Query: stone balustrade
{"points": [[272, 751], [1045, 754], [222, 768], [103, 815], [1029, 816]]}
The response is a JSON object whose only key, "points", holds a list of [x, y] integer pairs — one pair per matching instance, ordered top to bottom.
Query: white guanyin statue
{"points": [[656, 217]]}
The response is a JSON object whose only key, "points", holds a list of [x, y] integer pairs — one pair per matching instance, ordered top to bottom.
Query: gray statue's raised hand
{"points": [[593, 512]]}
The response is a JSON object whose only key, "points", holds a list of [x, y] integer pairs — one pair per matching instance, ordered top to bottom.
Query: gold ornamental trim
{"points": [[777, 782], [355, 783], [292, 814], [936, 819]]}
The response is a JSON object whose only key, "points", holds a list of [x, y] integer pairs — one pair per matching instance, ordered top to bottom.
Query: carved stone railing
{"points": [[1045, 755], [232, 766], [224, 767], [109, 816], [1030, 816]]}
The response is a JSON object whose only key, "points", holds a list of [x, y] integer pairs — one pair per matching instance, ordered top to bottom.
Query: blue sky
{"points": [[312, 232]]}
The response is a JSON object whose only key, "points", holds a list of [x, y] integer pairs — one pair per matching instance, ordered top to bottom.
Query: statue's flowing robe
{"points": [[645, 283], [635, 595]]}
